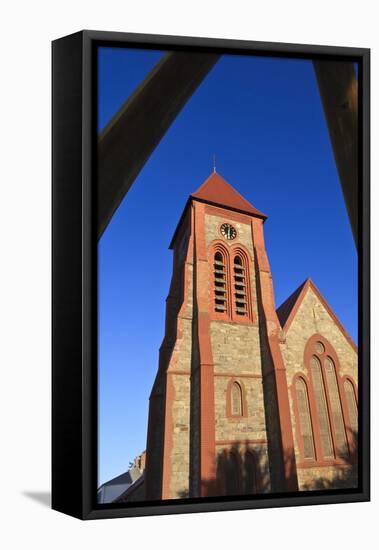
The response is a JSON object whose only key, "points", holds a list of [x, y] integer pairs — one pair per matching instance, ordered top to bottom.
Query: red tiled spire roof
{"points": [[218, 191]]}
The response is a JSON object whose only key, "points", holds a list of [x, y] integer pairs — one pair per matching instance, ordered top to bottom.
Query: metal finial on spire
{"points": [[214, 163]]}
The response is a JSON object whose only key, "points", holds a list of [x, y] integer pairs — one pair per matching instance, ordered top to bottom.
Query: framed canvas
{"points": [[210, 275]]}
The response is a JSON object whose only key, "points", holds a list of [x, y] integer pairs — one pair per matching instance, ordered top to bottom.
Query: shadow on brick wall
{"points": [[242, 470]]}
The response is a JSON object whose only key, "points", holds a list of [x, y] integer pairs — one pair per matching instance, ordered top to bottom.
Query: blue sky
{"points": [[263, 119]]}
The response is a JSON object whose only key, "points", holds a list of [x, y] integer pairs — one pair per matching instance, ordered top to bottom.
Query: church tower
{"points": [[219, 414]]}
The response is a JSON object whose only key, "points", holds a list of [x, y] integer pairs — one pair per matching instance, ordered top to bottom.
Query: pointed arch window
{"points": [[220, 283], [236, 400], [236, 406], [330, 407], [335, 407], [352, 407], [322, 409], [305, 422]]}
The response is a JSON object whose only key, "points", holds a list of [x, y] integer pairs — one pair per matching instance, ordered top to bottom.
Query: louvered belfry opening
{"points": [[220, 284], [230, 294], [240, 297]]}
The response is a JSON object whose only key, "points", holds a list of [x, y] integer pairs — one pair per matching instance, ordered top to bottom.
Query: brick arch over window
{"points": [[327, 402], [236, 405]]}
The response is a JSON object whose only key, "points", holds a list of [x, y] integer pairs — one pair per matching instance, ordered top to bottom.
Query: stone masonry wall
{"points": [[311, 318], [237, 355], [178, 370], [180, 452], [261, 455]]}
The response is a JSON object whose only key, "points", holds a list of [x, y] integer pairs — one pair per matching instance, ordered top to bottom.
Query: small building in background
{"points": [[112, 490]]}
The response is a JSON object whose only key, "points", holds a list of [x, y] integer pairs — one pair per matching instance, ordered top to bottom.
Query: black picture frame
{"points": [[74, 273]]}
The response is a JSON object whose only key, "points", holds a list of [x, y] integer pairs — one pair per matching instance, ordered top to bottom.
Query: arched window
{"points": [[230, 281], [240, 282], [220, 284], [236, 400], [335, 407], [322, 408], [352, 408], [329, 413], [305, 419], [231, 470], [251, 477]]}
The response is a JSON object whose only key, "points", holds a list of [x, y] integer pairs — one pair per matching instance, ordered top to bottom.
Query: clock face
{"points": [[228, 231]]}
